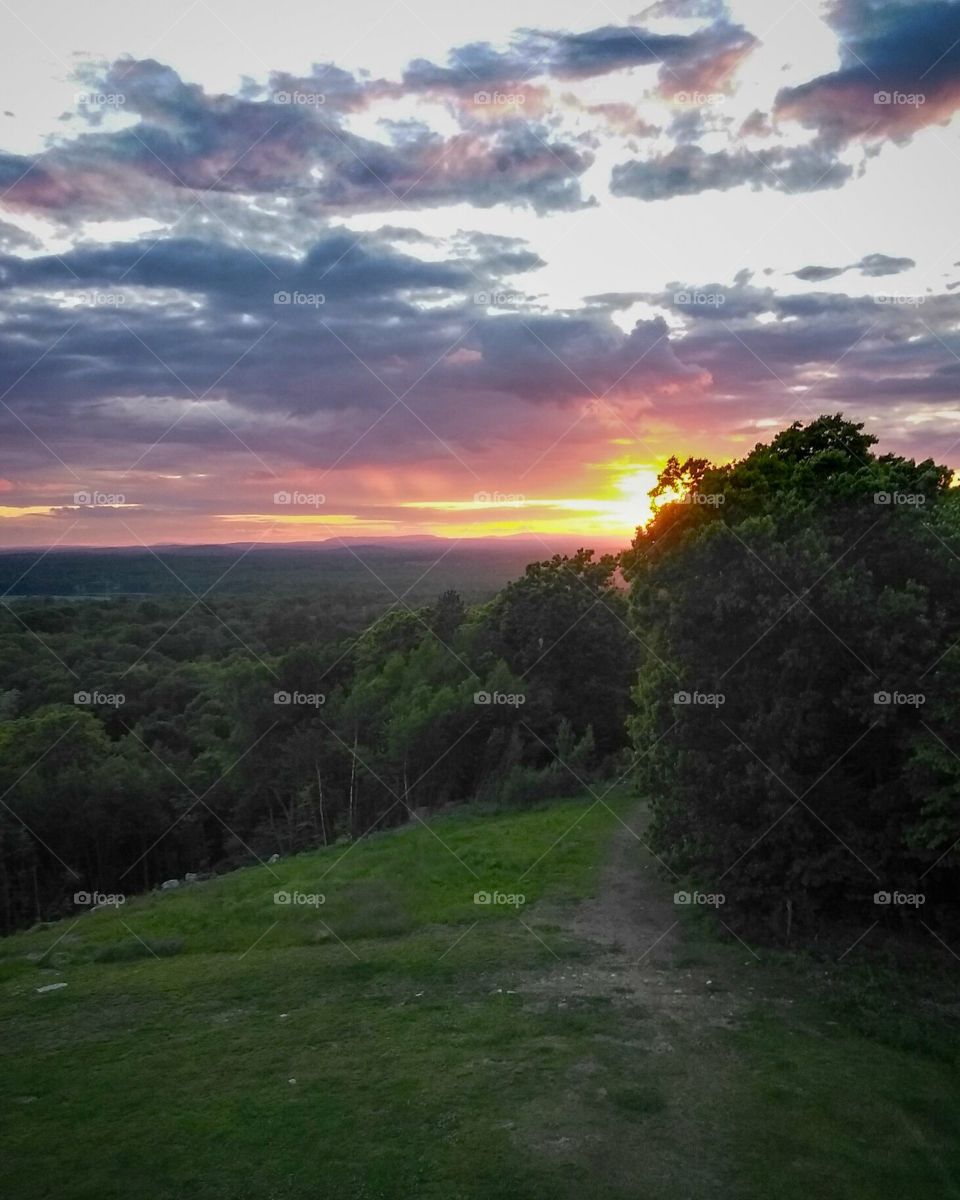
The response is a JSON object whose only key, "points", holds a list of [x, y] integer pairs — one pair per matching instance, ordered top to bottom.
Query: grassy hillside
{"points": [[400, 1040]]}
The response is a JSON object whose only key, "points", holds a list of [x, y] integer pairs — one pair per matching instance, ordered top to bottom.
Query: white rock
{"points": [[273, 858], [169, 884], [51, 987]]}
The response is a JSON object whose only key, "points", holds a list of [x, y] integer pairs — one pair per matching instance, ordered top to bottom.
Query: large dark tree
{"points": [[796, 705]]}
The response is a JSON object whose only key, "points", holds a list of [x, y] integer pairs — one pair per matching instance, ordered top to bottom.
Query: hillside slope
{"points": [[399, 1039]]}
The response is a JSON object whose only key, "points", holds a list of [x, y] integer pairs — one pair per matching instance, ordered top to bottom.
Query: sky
{"points": [[302, 271]]}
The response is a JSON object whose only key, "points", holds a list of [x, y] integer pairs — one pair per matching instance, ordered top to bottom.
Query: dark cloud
{"points": [[703, 60], [900, 71], [289, 146], [687, 170], [883, 264], [873, 265], [818, 274], [152, 330], [883, 359]]}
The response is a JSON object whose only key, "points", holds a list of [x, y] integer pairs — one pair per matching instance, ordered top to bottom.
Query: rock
{"points": [[273, 858], [190, 877], [170, 884], [51, 987]]}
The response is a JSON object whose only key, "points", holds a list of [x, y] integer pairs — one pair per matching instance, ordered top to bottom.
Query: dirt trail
{"points": [[633, 911], [634, 925]]}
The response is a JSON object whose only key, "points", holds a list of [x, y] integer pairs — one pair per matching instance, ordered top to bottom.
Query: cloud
{"points": [[703, 60], [899, 72], [188, 147], [687, 170], [883, 264], [872, 265], [818, 274], [180, 351]]}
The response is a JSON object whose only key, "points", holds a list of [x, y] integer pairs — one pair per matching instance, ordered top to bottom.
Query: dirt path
{"points": [[633, 912], [635, 928]]}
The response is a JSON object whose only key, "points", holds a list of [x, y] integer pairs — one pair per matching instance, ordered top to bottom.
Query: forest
{"points": [[773, 662]]}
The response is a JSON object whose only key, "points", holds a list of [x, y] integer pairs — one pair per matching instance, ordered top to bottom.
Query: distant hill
{"points": [[477, 567]]}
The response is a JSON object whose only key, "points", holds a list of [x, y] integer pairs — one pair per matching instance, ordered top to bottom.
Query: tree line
{"points": [[139, 742]]}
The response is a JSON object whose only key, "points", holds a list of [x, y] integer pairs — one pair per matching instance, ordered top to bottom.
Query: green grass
{"points": [[399, 1041]]}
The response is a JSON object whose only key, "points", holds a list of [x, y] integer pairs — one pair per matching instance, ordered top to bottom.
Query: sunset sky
{"points": [[303, 270]]}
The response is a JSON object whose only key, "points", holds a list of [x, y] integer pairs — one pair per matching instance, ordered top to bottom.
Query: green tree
{"points": [[785, 595]]}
